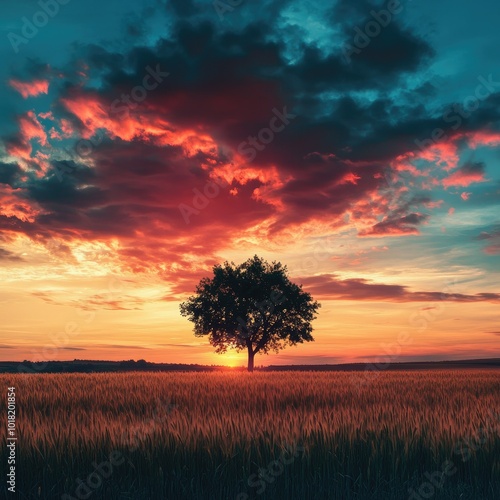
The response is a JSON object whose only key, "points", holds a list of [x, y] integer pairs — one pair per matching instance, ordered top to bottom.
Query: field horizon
{"points": [[88, 365]]}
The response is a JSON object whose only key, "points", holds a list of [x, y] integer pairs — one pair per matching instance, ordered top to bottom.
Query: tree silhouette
{"points": [[252, 306]]}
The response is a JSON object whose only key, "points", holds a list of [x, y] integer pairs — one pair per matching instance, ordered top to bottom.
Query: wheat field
{"points": [[273, 435]]}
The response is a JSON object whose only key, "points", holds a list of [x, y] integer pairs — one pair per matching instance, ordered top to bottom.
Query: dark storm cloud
{"points": [[381, 64], [221, 77], [9, 173]]}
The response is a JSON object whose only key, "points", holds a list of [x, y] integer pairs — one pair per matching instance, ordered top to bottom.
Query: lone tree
{"points": [[253, 306]]}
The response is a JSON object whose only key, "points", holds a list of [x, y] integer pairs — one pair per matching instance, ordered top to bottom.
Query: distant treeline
{"points": [[414, 365], [87, 366]]}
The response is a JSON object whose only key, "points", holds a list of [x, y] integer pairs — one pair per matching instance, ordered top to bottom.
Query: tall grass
{"points": [[203, 435]]}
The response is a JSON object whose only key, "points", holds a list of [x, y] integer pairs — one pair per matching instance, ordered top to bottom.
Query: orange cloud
{"points": [[30, 89], [31, 128], [483, 138], [443, 154], [467, 175]]}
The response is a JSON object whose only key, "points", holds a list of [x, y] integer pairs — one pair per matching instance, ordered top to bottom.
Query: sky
{"points": [[143, 143]]}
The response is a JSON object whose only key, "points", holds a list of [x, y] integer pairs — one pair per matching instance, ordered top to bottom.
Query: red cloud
{"points": [[30, 89], [31, 128], [484, 138], [162, 152], [444, 154], [463, 179]]}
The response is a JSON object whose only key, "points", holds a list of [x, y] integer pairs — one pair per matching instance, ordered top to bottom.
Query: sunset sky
{"points": [[369, 165]]}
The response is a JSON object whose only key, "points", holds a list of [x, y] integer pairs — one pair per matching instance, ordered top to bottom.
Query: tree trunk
{"points": [[251, 355]]}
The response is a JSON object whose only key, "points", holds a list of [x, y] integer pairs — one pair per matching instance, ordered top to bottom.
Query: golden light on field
{"points": [[194, 432]]}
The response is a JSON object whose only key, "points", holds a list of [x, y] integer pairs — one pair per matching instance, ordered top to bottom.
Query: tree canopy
{"points": [[252, 306]]}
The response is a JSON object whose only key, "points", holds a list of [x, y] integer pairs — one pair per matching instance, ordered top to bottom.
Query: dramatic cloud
{"points": [[30, 89], [207, 104], [466, 175]]}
